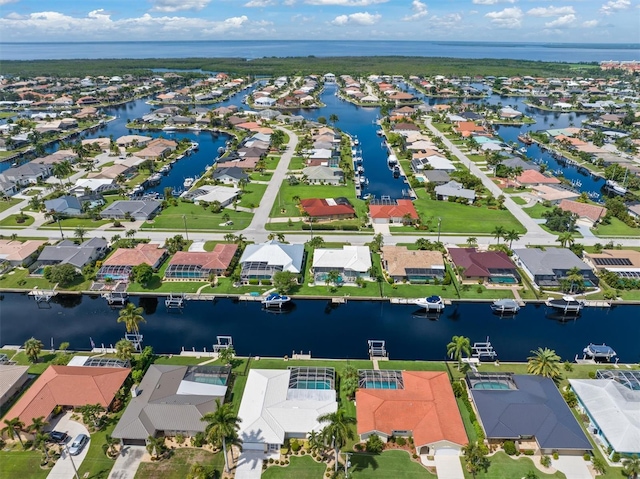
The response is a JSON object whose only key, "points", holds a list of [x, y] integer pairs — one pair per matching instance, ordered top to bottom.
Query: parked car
{"points": [[58, 437], [78, 444]]}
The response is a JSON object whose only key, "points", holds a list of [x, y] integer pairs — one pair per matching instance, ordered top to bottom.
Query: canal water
{"points": [[325, 329]]}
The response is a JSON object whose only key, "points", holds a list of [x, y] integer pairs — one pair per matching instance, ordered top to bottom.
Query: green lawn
{"points": [[297, 163], [256, 176], [252, 195], [518, 200], [6, 204], [286, 207], [536, 210], [197, 218], [11, 221], [616, 228], [19, 278], [22, 464], [96, 464], [388, 464], [177, 466], [503, 466], [302, 467]]}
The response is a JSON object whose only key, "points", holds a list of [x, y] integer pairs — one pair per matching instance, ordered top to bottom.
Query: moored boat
{"points": [[396, 171], [155, 178], [188, 182], [275, 300], [431, 303], [566, 304], [505, 306], [600, 352]]}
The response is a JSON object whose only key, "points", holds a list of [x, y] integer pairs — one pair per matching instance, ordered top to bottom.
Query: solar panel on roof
{"points": [[600, 261]]}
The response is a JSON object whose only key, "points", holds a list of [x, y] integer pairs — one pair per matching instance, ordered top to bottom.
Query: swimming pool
{"points": [[503, 280], [206, 379], [313, 384], [381, 385], [490, 385]]}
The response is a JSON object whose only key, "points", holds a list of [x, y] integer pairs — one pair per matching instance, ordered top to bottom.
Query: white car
{"points": [[78, 444]]}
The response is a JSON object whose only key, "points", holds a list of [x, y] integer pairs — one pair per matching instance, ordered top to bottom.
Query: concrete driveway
{"points": [[127, 462], [574, 467], [63, 469]]}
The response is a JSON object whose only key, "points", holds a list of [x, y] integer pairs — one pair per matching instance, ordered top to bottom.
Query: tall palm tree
{"points": [[61, 169], [79, 233], [498, 233], [511, 236], [565, 239], [472, 241], [576, 280], [131, 316], [458, 346], [33, 348], [125, 349], [544, 362], [37, 425], [222, 426], [12, 428], [337, 430], [40, 442], [112, 442], [316, 442], [475, 459], [631, 466]]}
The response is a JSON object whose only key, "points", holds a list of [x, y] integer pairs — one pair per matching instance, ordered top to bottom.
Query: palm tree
{"points": [[333, 118], [62, 169], [498, 232], [79, 233], [511, 236], [280, 237], [565, 239], [472, 241], [316, 242], [333, 276], [574, 276], [131, 316], [458, 346], [32, 348], [125, 349], [544, 362], [37, 425], [222, 425], [13, 428], [337, 431], [40, 442], [112, 442], [316, 442], [155, 446], [474, 458], [631, 466]]}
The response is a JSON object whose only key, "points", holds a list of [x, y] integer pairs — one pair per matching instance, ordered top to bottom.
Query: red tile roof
{"points": [[535, 177], [318, 207], [583, 210], [393, 211], [142, 253], [219, 259], [478, 263], [68, 386], [426, 407]]}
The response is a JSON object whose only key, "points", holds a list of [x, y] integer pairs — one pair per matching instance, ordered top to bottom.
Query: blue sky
{"points": [[579, 21]]}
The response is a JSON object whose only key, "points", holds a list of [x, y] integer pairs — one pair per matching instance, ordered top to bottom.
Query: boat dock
{"points": [[43, 295], [174, 302], [447, 302], [597, 304]]}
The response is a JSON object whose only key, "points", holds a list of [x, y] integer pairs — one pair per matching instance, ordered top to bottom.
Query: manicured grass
{"points": [[271, 162], [297, 163], [256, 176], [252, 195], [518, 200], [6, 204], [286, 207], [537, 210], [197, 218], [11, 221], [86, 222], [616, 228], [19, 278], [158, 286], [44, 360], [414, 365], [466, 420], [22, 464], [388, 464], [177, 466], [503, 466], [303, 467]]}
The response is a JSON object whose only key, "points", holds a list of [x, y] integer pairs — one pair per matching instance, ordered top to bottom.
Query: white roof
{"points": [[440, 163], [92, 183], [223, 194], [289, 256], [354, 258], [615, 409], [269, 410]]}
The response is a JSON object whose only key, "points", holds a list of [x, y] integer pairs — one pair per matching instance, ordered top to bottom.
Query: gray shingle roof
{"points": [[68, 252], [540, 262]]}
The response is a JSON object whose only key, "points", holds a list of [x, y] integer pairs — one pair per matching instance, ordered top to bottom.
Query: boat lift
{"points": [[43, 295], [117, 296], [174, 302], [135, 339], [222, 342], [377, 349], [483, 350]]}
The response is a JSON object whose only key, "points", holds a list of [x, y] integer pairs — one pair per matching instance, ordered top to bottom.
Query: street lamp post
{"points": [[439, 224], [186, 232], [347, 464]]}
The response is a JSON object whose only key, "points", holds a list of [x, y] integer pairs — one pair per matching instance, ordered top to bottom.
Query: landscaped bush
{"points": [[254, 282], [265, 282], [592, 374], [458, 389], [401, 441], [374, 444], [295, 445], [359, 447], [509, 447], [528, 452], [555, 456], [586, 456], [615, 457], [271, 460], [545, 461]]}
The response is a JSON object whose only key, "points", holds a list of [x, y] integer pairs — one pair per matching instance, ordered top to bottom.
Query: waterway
{"points": [[325, 329]]}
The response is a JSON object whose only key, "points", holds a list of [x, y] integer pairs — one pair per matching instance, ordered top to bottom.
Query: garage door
{"points": [[134, 442]]}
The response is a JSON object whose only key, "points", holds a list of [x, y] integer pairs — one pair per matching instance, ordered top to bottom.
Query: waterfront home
{"points": [[264, 102], [509, 113], [405, 128], [127, 141], [103, 143], [157, 149], [57, 157], [429, 161], [516, 162], [111, 172], [26, 174], [231, 175], [323, 175], [436, 177], [532, 177], [88, 186], [453, 189], [554, 194], [225, 195], [67, 205], [328, 209], [140, 210], [634, 210], [397, 212], [588, 215], [67, 252], [20, 253], [261, 261], [350, 262], [623, 262], [201, 265], [119, 266], [413, 266], [488, 266], [549, 267], [14, 378], [68, 387], [171, 400], [284, 404], [418, 404], [612, 404], [528, 410]]}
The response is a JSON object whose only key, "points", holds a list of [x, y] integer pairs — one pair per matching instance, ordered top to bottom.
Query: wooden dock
{"points": [[339, 300], [597, 304]]}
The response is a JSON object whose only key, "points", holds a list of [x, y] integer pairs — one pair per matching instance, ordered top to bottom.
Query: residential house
{"points": [[127, 141], [57, 157], [27, 173], [230, 175], [323, 175], [437, 177], [533, 177], [86, 186], [453, 189], [554, 194], [225, 195], [65, 205], [327, 209], [140, 210], [398, 212], [588, 215], [67, 252], [20, 253], [263, 260], [350, 262], [623, 262], [201, 265], [119, 266], [413, 266], [488, 266], [548, 267], [14, 378], [68, 386], [171, 400], [284, 404], [417, 404], [526, 409]]}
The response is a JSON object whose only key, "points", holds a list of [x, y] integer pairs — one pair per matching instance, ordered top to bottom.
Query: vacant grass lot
{"points": [[252, 195], [197, 218], [616, 228], [19, 278]]}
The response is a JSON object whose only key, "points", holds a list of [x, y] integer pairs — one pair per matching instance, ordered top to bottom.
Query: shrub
{"points": [[254, 282], [265, 282], [592, 375], [458, 389], [179, 438], [198, 440], [401, 441], [374, 444], [295, 445], [359, 447], [509, 447], [303, 452], [528, 452], [555, 456], [586, 456], [615, 457], [271, 460], [545, 461], [278, 462]]}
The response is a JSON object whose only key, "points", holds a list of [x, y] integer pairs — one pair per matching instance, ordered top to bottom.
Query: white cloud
{"points": [[6, 2], [491, 2], [259, 3], [346, 3], [177, 5], [614, 6], [419, 10], [551, 11], [362, 18], [508, 18], [450, 20], [562, 21], [590, 23]]}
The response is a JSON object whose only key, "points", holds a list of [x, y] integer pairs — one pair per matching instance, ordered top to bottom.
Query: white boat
{"points": [[169, 128], [379, 132], [356, 142], [195, 145], [221, 150], [392, 160], [165, 169], [360, 169], [396, 171], [155, 178], [363, 180], [188, 182], [616, 188], [275, 300], [431, 303], [567, 304], [505, 306], [599, 351]]}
